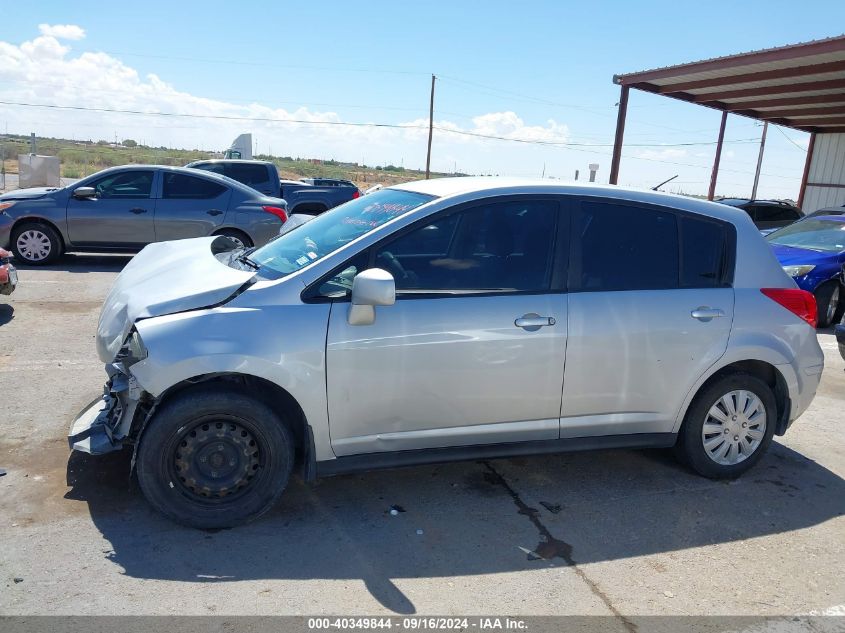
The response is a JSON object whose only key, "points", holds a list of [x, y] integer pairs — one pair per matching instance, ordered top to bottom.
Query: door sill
{"points": [[399, 459]]}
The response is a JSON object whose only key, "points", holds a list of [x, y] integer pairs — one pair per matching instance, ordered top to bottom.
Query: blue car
{"points": [[812, 252]]}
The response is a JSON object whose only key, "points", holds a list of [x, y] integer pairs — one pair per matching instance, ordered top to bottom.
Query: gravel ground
{"points": [[624, 532]]}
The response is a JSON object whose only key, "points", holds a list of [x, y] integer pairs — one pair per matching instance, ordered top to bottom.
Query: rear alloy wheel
{"points": [[36, 244], [828, 300], [728, 427], [214, 458]]}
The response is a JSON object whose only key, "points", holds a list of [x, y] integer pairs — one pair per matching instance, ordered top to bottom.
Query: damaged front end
{"points": [[107, 424]]}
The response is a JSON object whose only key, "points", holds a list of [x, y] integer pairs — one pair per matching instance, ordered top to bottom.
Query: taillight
{"points": [[356, 194], [278, 212], [799, 302]]}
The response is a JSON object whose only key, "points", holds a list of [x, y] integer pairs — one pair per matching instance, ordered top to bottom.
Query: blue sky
{"points": [[536, 70]]}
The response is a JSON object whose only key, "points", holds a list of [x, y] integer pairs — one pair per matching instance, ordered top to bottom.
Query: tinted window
{"points": [[216, 168], [248, 174], [125, 184], [183, 186], [766, 213], [500, 246], [619, 247], [703, 253]]}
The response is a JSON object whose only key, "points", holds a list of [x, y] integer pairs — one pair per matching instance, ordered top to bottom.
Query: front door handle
{"points": [[137, 210], [214, 212], [705, 313], [532, 322]]}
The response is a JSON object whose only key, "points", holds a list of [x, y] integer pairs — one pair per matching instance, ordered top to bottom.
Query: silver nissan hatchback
{"points": [[443, 320]]}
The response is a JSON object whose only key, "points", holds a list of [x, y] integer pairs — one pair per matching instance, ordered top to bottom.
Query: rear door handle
{"points": [[137, 210], [214, 212], [705, 313], [532, 322]]}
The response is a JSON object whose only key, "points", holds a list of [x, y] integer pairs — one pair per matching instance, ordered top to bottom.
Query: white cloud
{"points": [[62, 31], [45, 71], [670, 153]]}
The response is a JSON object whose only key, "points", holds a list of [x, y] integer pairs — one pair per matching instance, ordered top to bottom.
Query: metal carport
{"points": [[801, 86]]}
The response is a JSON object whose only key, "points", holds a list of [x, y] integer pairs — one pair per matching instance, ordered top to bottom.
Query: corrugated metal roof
{"points": [[762, 84]]}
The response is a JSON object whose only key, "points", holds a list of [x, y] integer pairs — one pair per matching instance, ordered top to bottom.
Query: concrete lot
{"points": [[635, 532]]}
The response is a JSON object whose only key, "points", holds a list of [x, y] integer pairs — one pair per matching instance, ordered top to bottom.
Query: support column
{"points": [[620, 133], [807, 163], [715, 175]]}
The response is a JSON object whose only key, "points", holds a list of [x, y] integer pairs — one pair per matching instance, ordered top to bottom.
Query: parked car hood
{"points": [[28, 194], [790, 255], [164, 278]]}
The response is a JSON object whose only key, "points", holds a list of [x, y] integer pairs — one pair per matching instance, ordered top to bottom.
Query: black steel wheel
{"points": [[214, 458]]}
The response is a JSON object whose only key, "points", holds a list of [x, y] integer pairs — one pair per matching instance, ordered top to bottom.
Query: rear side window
{"points": [[248, 174], [181, 186], [766, 213], [623, 247], [704, 253]]}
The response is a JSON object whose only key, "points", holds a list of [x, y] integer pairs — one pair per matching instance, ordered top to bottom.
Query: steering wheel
{"points": [[395, 267]]}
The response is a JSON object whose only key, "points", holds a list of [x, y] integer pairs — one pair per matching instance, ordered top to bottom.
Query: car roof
{"points": [[230, 160], [188, 171], [488, 186]]}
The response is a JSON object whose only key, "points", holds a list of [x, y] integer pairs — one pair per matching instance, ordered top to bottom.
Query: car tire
{"points": [[238, 237], [36, 244], [828, 300], [747, 431], [214, 458]]}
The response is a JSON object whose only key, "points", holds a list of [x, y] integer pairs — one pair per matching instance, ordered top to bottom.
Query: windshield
{"points": [[333, 229], [826, 236]]}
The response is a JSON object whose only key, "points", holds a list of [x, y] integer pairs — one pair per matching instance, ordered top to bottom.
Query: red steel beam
{"points": [[792, 52], [765, 75], [786, 88], [787, 101], [794, 112], [831, 120], [833, 129], [620, 133], [807, 162], [714, 176]]}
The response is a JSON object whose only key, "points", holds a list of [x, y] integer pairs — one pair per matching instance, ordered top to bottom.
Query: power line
{"points": [[210, 116], [777, 127], [564, 144]]}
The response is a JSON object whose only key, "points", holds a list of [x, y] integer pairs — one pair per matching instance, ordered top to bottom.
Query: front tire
{"points": [[36, 244], [828, 298], [728, 427], [214, 458]]}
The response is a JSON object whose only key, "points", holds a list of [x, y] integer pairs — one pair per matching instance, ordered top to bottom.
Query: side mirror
{"points": [[84, 192], [370, 288]]}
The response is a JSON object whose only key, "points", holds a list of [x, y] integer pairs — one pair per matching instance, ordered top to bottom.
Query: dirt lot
{"points": [[622, 532]]}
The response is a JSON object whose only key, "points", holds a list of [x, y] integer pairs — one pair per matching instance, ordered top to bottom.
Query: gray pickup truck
{"points": [[307, 196]]}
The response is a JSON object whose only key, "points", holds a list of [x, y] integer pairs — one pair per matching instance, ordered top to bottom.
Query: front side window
{"points": [[125, 185], [182, 186], [333, 229], [501, 246], [624, 247]]}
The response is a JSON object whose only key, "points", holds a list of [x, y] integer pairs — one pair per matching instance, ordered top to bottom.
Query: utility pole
{"points": [[430, 130], [759, 160]]}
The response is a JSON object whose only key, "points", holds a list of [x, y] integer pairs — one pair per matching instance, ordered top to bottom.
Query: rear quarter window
{"points": [[704, 252]]}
